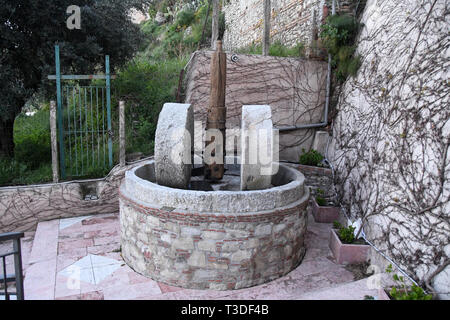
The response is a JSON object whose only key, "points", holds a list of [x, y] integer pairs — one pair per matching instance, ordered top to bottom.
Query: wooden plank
{"points": [[54, 141]]}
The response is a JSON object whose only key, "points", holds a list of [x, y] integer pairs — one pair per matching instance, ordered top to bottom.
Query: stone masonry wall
{"points": [[292, 21], [208, 251]]}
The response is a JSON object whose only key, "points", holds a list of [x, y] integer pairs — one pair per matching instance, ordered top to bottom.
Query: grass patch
{"points": [[276, 49]]}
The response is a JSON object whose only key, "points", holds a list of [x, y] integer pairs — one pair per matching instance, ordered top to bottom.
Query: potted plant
{"points": [[311, 158], [322, 212], [346, 248], [401, 291]]}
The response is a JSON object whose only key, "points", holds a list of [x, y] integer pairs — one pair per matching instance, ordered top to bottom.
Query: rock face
{"points": [[391, 136], [173, 145], [256, 147]]}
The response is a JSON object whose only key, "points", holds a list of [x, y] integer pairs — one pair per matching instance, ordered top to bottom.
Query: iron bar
{"points": [[108, 109], [81, 128], [75, 137], [62, 161], [5, 283]]}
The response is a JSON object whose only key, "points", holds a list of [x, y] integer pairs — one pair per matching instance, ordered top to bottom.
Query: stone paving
{"points": [[88, 248]]}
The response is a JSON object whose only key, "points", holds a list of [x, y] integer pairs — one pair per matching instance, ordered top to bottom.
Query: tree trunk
{"points": [[6, 138]]}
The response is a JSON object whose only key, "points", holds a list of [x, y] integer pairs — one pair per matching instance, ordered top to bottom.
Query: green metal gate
{"points": [[84, 123]]}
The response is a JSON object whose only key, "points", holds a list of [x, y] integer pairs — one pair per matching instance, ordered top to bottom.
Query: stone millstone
{"points": [[173, 144], [257, 147]]}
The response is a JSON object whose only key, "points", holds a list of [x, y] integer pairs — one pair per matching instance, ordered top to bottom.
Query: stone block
{"points": [[320, 141], [173, 145], [256, 147], [263, 230], [183, 244], [207, 245], [241, 255], [197, 259]]}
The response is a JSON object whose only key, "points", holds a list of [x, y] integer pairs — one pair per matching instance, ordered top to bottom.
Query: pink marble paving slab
{"points": [[100, 220], [107, 240], [79, 243], [45, 244], [104, 248], [73, 252], [63, 261], [316, 272], [117, 278], [39, 280], [65, 287], [167, 288], [129, 292], [93, 295], [72, 297]]}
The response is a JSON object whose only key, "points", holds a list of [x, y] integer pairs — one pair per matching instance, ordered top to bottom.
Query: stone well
{"points": [[212, 239]]}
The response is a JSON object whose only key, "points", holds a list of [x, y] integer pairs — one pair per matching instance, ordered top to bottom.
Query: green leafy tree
{"points": [[29, 29]]}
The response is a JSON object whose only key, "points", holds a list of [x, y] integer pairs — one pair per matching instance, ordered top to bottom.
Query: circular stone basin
{"points": [[217, 240]]}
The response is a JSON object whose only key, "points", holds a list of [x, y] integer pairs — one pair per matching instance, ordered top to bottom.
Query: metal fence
{"points": [[84, 122], [86, 133], [17, 277]]}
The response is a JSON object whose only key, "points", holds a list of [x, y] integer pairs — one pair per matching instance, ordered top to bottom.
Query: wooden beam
{"points": [[217, 112], [54, 141]]}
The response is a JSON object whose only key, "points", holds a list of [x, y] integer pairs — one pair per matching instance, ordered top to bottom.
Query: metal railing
{"points": [[17, 277]]}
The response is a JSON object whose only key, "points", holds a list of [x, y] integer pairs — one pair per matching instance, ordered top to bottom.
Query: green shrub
{"points": [[184, 18], [338, 36], [276, 49], [279, 50], [145, 86], [32, 139], [310, 158], [10, 168], [13, 172], [321, 201], [336, 225], [347, 234], [401, 292]]}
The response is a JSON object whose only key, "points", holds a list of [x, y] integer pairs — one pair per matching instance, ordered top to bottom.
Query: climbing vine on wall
{"points": [[392, 134]]}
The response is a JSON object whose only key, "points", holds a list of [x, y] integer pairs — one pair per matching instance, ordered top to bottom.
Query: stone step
{"points": [[355, 290]]}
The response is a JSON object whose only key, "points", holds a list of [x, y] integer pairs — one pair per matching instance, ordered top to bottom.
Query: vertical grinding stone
{"points": [[173, 144], [257, 147]]}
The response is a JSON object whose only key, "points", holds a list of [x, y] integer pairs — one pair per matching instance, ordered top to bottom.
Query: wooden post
{"points": [[215, 24], [266, 32], [217, 112], [122, 133], [54, 142]]}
